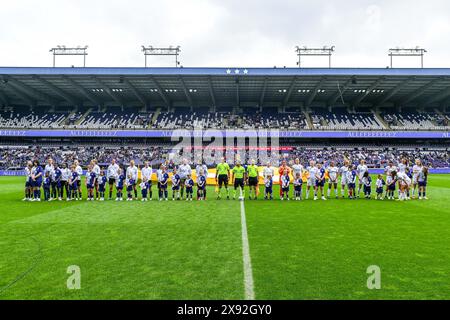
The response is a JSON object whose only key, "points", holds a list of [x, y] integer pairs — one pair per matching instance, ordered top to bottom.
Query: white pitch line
{"points": [[248, 273]]}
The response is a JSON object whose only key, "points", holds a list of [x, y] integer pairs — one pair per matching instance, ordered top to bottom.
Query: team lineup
{"points": [[64, 182]]}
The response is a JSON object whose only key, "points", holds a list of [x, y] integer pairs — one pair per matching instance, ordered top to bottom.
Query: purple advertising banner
{"points": [[226, 133], [18, 173]]}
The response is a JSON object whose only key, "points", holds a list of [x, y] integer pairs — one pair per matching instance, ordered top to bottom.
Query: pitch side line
{"points": [[248, 273]]}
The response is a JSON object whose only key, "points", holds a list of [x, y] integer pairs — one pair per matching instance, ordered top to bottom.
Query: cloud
{"points": [[251, 33]]}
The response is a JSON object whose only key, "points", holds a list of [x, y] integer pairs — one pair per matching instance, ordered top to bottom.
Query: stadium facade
{"points": [[225, 87]]}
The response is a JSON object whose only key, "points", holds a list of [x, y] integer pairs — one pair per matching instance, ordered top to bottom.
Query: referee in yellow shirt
{"points": [[253, 174], [222, 177], [238, 177]]}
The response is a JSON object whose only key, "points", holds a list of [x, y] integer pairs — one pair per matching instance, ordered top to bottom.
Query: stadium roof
{"points": [[192, 87]]}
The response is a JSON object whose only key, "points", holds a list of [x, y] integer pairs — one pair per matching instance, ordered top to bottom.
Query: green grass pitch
{"points": [[179, 250]]}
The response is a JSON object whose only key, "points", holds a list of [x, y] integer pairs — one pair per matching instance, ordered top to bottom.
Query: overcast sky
{"points": [[224, 33]]}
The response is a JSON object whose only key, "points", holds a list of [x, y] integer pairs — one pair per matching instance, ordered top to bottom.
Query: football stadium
{"points": [[122, 127], [237, 180]]}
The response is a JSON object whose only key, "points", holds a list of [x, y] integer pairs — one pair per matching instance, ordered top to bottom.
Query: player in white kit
{"points": [[402, 165], [50, 168], [297, 168], [390, 168], [417, 168], [96, 169], [361, 169], [184, 170], [132, 171], [268, 171], [312, 171], [79, 172], [146, 173], [333, 173], [343, 173], [112, 174], [65, 177], [28, 182], [404, 184]]}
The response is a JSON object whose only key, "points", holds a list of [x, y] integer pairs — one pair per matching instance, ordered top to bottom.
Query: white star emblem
{"points": [[228, 71], [236, 71], [245, 71]]}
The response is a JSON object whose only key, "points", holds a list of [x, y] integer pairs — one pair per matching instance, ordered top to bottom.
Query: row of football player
{"points": [[317, 176], [56, 180], [385, 189], [73, 191]]}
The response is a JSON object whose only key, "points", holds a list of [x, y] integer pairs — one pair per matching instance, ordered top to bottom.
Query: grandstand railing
{"points": [[136, 128], [134, 133], [21, 173]]}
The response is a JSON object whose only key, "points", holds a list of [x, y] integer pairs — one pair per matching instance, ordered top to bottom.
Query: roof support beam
{"points": [[58, 91], [108, 91], [340, 91], [420, 91], [84, 92], [135, 92], [161, 92], [186, 92], [211, 92], [263, 92], [289, 92], [33, 93], [391, 93], [313, 94], [363, 95], [22, 96], [439, 97], [3, 98], [238, 100], [445, 103]]}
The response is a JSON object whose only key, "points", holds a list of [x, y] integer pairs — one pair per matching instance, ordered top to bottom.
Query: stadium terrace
{"points": [[293, 99], [341, 110], [327, 136]]}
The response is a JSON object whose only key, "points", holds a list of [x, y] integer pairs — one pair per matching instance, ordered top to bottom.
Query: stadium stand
{"points": [[73, 118], [27, 119], [273, 119], [321, 119], [340, 119], [110, 120], [190, 120], [228, 120], [415, 121], [17, 156], [374, 158]]}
